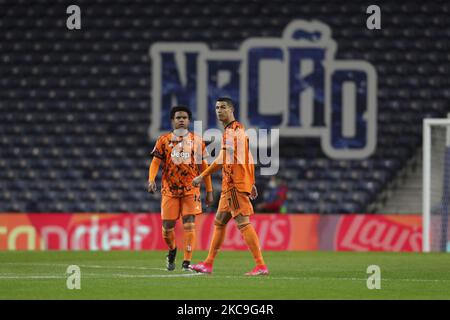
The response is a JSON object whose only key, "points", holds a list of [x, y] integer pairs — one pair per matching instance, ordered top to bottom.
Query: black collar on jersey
{"points": [[229, 124]]}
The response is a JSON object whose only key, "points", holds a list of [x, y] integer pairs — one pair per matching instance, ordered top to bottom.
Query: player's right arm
{"points": [[158, 156], [216, 165], [152, 172]]}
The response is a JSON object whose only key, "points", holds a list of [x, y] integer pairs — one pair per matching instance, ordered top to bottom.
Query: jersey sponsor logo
{"points": [[293, 83], [180, 154]]}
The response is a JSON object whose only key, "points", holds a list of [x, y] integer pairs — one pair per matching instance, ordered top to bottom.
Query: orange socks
{"points": [[169, 237], [250, 238], [189, 240], [217, 240], [252, 241]]}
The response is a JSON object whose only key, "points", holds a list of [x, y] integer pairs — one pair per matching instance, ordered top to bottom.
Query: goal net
{"points": [[436, 185]]}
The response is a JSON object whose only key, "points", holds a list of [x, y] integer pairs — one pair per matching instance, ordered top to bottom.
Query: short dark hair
{"points": [[227, 100], [178, 109]]}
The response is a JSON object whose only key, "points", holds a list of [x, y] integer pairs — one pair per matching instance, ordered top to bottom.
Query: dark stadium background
{"points": [[75, 106], [76, 112]]}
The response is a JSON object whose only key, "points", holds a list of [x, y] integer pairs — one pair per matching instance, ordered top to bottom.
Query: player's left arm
{"points": [[207, 179], [254, 192]]}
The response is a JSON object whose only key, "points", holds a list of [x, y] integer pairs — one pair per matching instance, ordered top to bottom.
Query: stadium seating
{"points": [[75, 106]]}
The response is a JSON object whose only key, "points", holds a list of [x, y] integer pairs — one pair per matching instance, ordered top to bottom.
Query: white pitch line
{"points": [[81, 266], [120, 267], [192, 274], [158, 275], [187, 275], [99, 276], [30, 277], [327, 279]]}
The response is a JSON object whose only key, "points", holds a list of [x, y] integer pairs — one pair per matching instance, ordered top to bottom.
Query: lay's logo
{"points": [[293, 83]]}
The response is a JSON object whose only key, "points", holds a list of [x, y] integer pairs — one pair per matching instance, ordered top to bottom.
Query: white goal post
{"points": [[427, 183]]}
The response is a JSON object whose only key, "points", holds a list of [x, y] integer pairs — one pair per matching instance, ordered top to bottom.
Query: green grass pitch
{"points": [[294, 275]]}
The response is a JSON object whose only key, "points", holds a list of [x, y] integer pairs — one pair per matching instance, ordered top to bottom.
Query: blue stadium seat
{"points": [[349, 207]]}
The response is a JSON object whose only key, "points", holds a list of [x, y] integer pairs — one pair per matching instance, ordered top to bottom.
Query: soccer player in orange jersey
{"points": [[181, 153], [238, 188]]}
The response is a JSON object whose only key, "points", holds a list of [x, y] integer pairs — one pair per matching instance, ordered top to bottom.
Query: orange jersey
{"points": [[181, 158], [238, 169]]}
